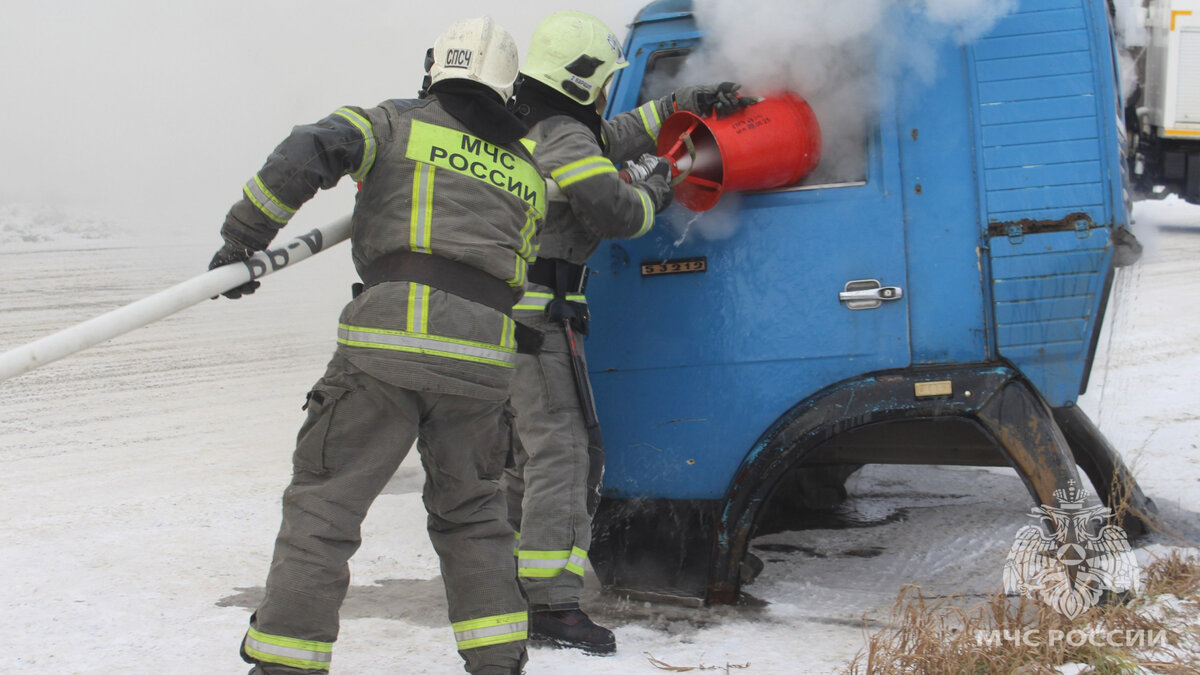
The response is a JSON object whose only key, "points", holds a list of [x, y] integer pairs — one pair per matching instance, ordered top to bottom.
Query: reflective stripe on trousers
{"points": [[543, 564], [491, 630], [286, 651]]}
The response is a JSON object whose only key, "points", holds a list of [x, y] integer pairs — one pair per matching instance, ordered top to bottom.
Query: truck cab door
{"points": [[714, 324]]}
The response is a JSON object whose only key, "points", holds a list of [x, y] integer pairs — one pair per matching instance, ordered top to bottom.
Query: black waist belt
{"points": [[560, 275], [457, 278]]}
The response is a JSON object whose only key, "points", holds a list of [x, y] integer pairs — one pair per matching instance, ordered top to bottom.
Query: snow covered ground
{"points": [[139, 497]]}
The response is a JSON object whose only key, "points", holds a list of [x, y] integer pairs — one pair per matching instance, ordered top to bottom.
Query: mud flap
{"points": [[1023, 426], [1112, 480], [655, 549]]}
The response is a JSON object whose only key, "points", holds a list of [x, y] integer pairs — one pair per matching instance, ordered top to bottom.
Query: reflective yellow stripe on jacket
{"points": [[650, 119], [364, 127], [581, 169], [258, 194], [647, 212], [421, 219], [537, 301], [418, 308], [424, 343], [491, 630], [286, 651]]}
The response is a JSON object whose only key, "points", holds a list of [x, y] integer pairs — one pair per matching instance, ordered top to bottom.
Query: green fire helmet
{"points": [[574, 53]]}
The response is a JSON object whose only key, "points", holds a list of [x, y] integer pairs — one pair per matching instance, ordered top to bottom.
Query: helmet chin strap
{"points": [[428, 79], [602, 97], [602, 101]]}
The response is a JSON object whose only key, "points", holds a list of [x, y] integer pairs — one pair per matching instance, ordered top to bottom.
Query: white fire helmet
{"points": [[476, 50], [574, 53]]}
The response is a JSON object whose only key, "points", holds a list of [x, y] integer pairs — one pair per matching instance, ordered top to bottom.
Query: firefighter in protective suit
{"points": [[443, 230], [553, 485]]}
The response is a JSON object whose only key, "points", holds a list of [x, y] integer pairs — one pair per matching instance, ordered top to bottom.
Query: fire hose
{"points": [[166, 302]]}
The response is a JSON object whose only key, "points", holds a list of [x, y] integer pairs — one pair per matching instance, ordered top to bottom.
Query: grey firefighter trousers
{"points": [[357, 432], [556, 467]]}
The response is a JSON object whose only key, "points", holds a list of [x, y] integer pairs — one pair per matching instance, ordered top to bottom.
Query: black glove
{"points": [[719, 98], [654, 176], [660, 191], [233, 253]]}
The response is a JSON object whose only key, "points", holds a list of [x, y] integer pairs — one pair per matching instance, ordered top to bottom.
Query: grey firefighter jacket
{"points": [[428, 186], [595, 203]]}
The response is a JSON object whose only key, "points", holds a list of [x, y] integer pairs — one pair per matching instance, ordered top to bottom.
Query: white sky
{"points": [[154, 113]]}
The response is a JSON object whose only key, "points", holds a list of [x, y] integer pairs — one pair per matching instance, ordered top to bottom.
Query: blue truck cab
{"points": [[939, 305]]}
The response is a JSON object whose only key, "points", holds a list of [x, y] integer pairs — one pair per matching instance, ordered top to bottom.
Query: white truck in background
{"points": [[1162, 115]]}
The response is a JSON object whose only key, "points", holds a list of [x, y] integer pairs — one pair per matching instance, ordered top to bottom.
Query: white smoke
{"points": [[1129, 22], [810, 45], [832, 53], [840, 56]]}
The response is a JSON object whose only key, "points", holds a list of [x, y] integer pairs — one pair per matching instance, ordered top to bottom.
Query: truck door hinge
{"points": [[1083, 228]]}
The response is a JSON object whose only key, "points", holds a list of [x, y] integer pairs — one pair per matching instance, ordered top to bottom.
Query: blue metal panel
{"points": [[1046, 5], [663, 9], [1031, 20], [1030, 45], [1047, 65], [1037, 89], [1033, 111], [1076, 128], [1041, 153], [1046, 155], [1068, 173], [1002, 203], [1096, 212], [1058, 254], [1014, 289], [1047, 289], [1065, 306], [947, 310], [1042, 331], [705, 421]]}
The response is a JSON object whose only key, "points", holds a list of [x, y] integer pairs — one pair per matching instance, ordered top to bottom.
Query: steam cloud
{"points": [[831, 54]]}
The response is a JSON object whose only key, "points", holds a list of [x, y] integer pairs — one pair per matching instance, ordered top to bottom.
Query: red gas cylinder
{"points": [[770, 144]]}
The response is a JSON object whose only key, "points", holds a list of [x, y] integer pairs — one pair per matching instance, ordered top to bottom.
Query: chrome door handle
{"points": [[868, 294]]}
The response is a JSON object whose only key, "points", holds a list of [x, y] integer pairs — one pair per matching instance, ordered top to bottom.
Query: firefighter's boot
{"points": [[573, 629]]}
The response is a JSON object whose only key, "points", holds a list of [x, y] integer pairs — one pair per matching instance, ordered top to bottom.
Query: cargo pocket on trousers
{"points": [[558, 377], [311, 455], [502, 456]]}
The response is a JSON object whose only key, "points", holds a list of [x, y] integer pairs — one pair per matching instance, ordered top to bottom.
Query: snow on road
{"points": [[142, 480]]}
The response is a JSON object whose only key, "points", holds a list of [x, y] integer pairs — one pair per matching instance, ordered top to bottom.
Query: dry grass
{"points": [[1121, 507], [940, 636]]}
